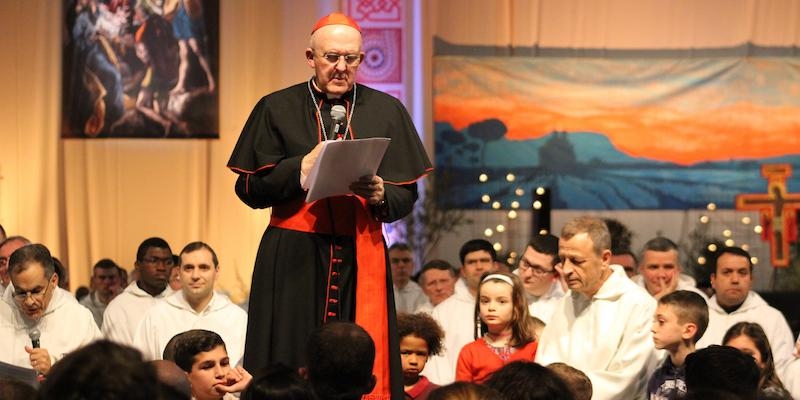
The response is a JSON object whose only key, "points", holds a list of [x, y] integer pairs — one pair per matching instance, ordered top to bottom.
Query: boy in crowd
{"points": [[680, 321], [420, 337], [202, 355]]}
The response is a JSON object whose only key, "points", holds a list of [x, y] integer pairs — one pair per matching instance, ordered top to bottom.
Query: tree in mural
{"points": [[487, 131], [557, 154]]}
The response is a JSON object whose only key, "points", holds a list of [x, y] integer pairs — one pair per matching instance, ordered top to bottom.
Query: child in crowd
{"points": [[502, 314], [680, 321], [420, 337], [750, 339], [202, 355], [579, 384]]}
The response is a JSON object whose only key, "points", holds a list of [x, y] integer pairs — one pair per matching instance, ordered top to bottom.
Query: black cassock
{"points": [[305, 271]]}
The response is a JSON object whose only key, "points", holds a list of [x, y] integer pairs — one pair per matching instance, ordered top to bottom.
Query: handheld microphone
{"points": [[338, 113], [34, 334]]}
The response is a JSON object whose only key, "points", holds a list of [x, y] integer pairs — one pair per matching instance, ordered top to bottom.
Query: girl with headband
{"points": [[504, 333]]}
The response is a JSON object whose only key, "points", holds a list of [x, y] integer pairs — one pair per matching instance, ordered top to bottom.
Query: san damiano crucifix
{"points": [[778, 209]]}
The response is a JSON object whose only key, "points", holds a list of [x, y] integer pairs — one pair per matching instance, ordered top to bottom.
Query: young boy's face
{"points": [[667, 331], [413, 355], [208, 371]]}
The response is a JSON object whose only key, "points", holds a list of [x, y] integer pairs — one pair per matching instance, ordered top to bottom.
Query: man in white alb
{"points": [[537, 270], [407, 293], [733, 302], [195, 306], [35, 307], [125, 312], [456, 315], [602, 325]]}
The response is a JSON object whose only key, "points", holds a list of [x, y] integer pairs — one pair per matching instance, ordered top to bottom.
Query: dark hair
{"points": [[594, 227], [2, 233], [621, 236], [151, 242], [659, 243], [476, 245], [547, 245], [194, 246], [400, 246], [737, 251], [33, 253], [106, 263], [441, 265], [62, 272], [81, 292], [689, 307], [422, 326], [521, 329], [183, 347], [340, 358], [722, 368], [101, 370], [769, 378], [527, 380], [278, 382], [579, 384], [13, 389], [465, 391]]}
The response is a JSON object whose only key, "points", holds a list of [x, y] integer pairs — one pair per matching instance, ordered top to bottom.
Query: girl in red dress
{"points": [[502, 314]]}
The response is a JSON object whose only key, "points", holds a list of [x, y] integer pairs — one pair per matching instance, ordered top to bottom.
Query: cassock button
{"points": [[334, 287], [333, 301], [331, 314]]}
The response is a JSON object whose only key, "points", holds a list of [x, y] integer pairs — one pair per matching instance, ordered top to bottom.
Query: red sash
{"points": [[371, 307]]}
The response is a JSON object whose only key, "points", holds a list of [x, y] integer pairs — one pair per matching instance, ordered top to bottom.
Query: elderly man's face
{"points": [[335, 75], [8, 248], [584, 269], [33, 290]]}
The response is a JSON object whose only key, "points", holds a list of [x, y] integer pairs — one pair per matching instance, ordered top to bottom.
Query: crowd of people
{"points": [[564, 323]]}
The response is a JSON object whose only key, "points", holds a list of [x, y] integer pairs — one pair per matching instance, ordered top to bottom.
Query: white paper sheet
{"points": [[342, 162]]}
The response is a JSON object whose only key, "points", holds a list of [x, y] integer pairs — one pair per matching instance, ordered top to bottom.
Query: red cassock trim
{"points": [[371, 315]]}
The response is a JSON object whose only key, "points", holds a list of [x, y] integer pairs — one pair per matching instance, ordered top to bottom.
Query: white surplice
{"points": [[607, 337]]}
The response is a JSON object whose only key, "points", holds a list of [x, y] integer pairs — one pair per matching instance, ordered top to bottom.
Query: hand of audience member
{"points": [[370, 188], [665, 288], [40, 359], [236, 380]]}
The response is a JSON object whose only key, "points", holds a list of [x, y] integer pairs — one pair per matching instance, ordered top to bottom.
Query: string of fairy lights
{"points": [[511, 216], [731, 231]]}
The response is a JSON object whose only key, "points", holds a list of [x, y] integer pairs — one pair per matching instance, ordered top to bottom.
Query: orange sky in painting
{"points": [[739, 130]]}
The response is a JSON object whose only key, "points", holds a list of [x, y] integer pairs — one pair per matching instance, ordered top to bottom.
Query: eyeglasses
{"points": [[351, 59], [167, 261], [524, 266], [36, 294]]}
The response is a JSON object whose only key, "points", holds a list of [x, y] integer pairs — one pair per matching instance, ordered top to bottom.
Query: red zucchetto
{"points": [[336, 19]]}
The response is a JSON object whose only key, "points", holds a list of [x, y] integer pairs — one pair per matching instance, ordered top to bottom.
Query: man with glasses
{"points": [[7, 247], [307, 270], [537, 270], [105, 287], [36, 303], [125, 312]]}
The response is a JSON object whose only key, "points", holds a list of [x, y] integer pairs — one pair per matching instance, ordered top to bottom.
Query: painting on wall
{"points": [[140, 69], [603, 133]]}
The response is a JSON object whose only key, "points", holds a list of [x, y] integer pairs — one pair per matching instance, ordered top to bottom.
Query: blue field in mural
{"points": [[585, 171]]}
